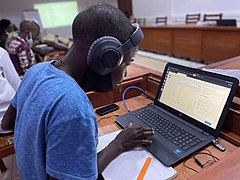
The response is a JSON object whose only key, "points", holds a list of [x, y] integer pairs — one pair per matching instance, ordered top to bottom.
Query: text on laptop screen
{"points": [[198, 96]]}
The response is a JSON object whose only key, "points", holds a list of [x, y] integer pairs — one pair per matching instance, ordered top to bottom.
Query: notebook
{"points": [[187, 114], [129, 164]]}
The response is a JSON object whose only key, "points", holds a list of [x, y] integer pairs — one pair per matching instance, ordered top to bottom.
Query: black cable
{"points": [[214, 157], [210, 162], [184, 164], [202, 165]]}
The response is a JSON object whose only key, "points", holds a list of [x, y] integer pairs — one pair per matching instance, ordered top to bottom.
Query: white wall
{"points": [[208, 6], [151, 8], [229, 8], [12, 10], [176, 10]]}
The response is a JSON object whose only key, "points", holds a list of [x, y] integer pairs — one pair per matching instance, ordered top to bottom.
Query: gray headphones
{"points": [[106, 53]]}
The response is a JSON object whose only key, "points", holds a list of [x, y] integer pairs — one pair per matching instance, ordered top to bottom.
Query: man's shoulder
{"points": [[39, 66], [34, 72]]}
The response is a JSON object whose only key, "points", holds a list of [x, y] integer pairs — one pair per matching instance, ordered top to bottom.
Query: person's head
{"points": [[6, 26], [29, 30], [100, 30]]}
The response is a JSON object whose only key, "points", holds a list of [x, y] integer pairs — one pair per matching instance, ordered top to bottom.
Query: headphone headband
{"points": [[136, 37]]}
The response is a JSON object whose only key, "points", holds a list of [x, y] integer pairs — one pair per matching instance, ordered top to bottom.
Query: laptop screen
{"points": [[198, 96]]}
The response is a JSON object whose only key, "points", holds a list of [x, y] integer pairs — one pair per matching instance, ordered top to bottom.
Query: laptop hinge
{"points": [[207, 134]]}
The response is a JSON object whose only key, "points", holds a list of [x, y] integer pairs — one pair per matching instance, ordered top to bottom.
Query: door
{"points": [[126, 7]]}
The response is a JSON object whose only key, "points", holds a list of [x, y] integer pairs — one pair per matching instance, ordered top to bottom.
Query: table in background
{"points": [[199, 43]]}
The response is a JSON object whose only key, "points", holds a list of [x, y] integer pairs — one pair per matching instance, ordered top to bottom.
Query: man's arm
{"points": [[9, 117], [128, 139]]}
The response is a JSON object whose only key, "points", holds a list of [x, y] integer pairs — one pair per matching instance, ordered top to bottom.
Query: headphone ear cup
{"points": [[104, 55]]}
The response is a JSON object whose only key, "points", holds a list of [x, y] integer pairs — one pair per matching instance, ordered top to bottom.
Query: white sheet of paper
{"points": [[129, 164]]}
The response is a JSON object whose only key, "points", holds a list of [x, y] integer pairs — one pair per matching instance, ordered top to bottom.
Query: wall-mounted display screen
{"points": [[57, 14]]}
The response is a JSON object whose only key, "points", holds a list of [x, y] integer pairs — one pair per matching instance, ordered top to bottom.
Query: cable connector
{"points": [[218, 145], [198, 162]]}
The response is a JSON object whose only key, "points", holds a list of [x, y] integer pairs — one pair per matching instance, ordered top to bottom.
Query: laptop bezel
{"points": [[213, 132]]}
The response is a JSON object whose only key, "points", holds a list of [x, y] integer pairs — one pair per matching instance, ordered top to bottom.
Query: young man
{"points": [[6, 27], [19, 48], [56, 129]]}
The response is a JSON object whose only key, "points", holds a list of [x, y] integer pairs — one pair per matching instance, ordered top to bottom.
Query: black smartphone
{"points": [[107, 109]]}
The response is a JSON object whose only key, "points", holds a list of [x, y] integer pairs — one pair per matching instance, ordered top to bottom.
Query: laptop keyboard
{"points": [[177, 135]]}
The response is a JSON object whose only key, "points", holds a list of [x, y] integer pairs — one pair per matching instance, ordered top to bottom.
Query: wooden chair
{"points": [[212, 17], [192, 18], [162, 20], [141, 21]]}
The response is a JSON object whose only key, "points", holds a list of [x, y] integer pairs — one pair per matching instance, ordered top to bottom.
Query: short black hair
{"points": [[101, 20], [4, 23], [26, 26]]}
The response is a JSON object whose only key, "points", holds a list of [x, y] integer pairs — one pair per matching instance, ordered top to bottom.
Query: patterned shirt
{"points": [[11, 36], [21, 55]]}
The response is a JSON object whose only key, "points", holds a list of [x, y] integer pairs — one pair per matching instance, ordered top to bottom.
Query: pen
{"points": [[144, 169]]}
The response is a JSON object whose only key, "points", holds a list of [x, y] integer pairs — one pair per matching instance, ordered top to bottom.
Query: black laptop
{"points": [[227, 22], [187, 114]]}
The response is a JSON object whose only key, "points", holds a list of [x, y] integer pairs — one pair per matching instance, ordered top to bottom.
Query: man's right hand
{"points": [[133, 136], [127, 139]]}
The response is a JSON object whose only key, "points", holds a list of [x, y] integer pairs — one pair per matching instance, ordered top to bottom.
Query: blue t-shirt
{"points": [[56, 128]]}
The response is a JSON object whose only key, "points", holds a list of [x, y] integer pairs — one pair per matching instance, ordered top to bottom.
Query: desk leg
{"points": [[2, 166]]}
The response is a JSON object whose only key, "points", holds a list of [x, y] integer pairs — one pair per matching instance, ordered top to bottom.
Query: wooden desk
{"points": [[199, 43], [50, 50], [232, 63], [149, 80], [107, 124], [226, 168]]}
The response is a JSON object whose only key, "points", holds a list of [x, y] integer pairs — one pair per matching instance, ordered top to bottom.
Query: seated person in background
{"points": [[6, 27], [12, 35], [20, 48], [9, 82], [56, 131]]}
